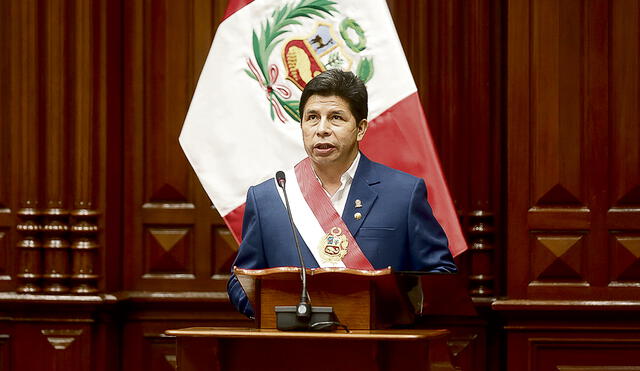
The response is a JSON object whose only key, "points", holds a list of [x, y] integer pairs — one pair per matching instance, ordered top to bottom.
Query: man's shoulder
{"points": [[387, 173], [267, 187]]}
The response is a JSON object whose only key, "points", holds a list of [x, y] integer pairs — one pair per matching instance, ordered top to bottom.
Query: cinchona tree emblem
{"points": [[325, 46]]}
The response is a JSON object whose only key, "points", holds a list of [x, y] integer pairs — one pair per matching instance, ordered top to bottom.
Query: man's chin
{"points": [[325, 161]]}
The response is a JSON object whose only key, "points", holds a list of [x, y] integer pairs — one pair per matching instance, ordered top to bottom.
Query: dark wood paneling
{"points": [[97, 94], [55, 97], [57, 108], [624, 108], [570, 136], [24, 145], [5, 159], [623, 178], [170, 225], [573, 226], [84, 245], [5, 253], [148, 317], [57, 346], [4, 351], [549, 351]]}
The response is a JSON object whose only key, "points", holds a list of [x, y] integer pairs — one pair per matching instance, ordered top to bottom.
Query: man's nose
{"points": [[324, 129]]}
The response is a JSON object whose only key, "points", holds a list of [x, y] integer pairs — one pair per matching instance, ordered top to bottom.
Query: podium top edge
{"points": [[311, 271], [388, 335]]}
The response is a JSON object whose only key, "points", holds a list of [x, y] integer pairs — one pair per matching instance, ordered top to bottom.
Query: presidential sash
{"points": [[319, 224]]}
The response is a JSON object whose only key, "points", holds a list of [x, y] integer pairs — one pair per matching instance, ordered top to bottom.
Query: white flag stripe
{"points": [[229, 136]]}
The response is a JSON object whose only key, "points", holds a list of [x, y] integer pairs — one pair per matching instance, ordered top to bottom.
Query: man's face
{"points": [[330, 132]]}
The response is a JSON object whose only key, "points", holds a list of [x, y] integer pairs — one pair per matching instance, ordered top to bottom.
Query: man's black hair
{"points": [[343, 84]]}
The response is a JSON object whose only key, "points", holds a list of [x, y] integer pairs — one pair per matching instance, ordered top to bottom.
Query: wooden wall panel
{"points": [[166, 55], [57, 72], [572, 75], [50, 92], [557, 99], [625, 111], [5, 159], [623, 217], [171, 229], [624, 250], [558, 257], [52, 347], [162, 350], [4, 351], [573, 351]]}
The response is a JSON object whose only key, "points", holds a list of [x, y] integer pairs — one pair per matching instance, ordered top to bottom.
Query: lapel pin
{"points": [[358, 204], [357, 216]]}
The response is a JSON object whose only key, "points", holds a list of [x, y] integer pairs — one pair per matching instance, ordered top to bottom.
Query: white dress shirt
{"points": [[339, 199]]}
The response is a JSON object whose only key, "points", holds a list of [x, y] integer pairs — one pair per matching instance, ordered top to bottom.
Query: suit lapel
{"points": [[360, 190]]}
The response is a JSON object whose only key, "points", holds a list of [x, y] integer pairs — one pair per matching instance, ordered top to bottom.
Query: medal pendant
{"points": [[333, 246]]}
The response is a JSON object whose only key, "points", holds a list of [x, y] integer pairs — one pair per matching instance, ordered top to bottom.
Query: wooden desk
{"points": [[208, 348]]}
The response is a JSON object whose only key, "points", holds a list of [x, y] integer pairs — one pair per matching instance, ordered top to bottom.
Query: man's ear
{"points": [[363, 125]]}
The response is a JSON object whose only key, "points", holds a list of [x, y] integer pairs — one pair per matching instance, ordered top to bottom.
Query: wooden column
{"points": [[55, 103], [23, 114], [482, 140], [6, 168], [84, 228], [482, 245]]}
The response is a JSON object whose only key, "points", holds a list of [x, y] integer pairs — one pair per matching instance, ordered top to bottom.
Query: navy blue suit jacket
{"points": [[397, 228]]}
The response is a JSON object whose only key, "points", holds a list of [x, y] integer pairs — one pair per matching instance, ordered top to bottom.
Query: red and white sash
{"points": [[315, 217]]}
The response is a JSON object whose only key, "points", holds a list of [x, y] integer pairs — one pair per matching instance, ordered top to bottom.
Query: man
{"points": [[349, 211]]}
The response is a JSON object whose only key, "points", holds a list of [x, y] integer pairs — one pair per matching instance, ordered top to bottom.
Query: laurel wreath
{"points": [[269, 37]]}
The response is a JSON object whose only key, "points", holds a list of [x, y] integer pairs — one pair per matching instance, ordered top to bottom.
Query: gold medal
{"points": [[333, 246]]}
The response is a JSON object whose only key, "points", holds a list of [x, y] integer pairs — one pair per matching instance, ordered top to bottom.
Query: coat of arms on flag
{"points": [[304, 55], [242, 124]]}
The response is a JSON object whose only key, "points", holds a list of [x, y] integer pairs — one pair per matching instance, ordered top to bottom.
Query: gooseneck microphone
{"points": [[303, 310], [303, 316]]}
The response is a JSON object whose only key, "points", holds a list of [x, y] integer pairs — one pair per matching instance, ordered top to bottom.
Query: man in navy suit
{"points": [[349, 211]]}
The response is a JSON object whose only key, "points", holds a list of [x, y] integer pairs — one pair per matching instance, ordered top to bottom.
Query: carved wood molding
{"points": [[481, 234], [55, 247], [29, 251], [84, 251], [61, 339]]}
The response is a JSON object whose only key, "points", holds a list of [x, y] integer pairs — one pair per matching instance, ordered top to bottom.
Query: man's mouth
{"points": [[324, 148]]}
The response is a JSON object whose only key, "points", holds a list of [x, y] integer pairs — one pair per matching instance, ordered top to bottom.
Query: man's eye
{"points": [[311, 117], [337, 117]]}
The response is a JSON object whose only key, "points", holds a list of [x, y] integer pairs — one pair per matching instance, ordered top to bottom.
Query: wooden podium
{"points": [[361, 299], [368, 302]]}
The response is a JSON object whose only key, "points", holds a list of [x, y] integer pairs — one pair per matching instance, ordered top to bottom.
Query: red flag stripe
{"points": [[233, 6], [404, 126], [233, 220]]}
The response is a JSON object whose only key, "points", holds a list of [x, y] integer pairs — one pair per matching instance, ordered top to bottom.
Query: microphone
{"points": [[303, 310], [306, 317]]}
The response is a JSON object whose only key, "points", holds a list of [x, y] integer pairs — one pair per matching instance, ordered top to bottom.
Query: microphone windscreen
{"points": [[280, 178]]}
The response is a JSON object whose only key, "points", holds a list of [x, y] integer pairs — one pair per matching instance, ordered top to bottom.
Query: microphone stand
{"points": [[303, 316]]}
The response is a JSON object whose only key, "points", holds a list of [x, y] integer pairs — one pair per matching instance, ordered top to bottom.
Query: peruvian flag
{"points": [[243, 124]]}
